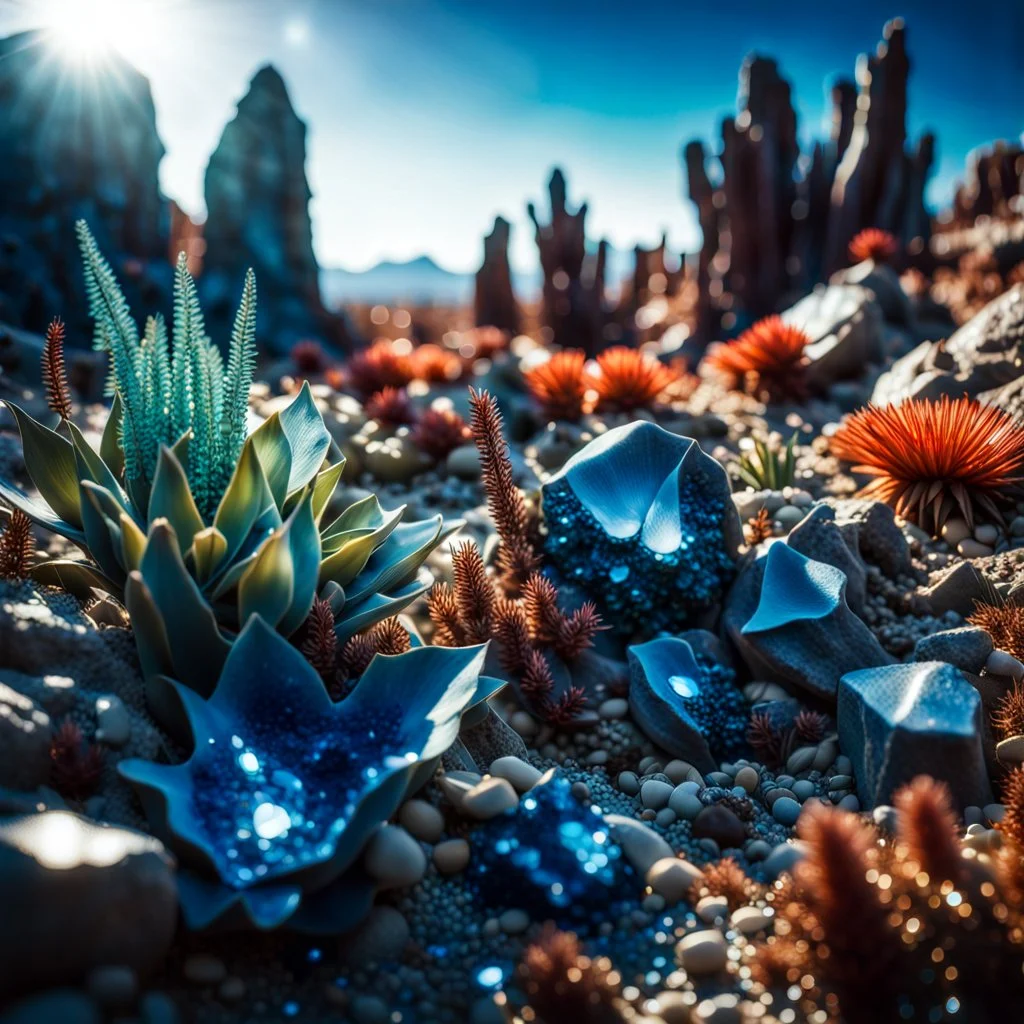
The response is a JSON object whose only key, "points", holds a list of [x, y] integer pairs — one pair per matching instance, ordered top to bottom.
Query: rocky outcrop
{"points": [[70, 152], [995, 176], [257, 198], [770, 233], [494, 303]]}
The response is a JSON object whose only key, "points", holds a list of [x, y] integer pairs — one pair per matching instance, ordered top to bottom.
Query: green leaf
{"points": [[308, 438], [110, 444], [271, 444], [51, 465], [91, 467], [323, 488], [247, 499], [172, 500], [365, 514], [41, 515], [101, 517], [304, 541], [133, 543], [208, 547], [349, 559], [78, 578], [266, 587], [198, 649]]}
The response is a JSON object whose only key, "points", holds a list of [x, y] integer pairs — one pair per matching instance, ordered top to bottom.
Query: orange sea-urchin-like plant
{"points": [[873, 244], [308, 356], [766, 360], [431, 362], [382, 365], [627, 379], [560, 385], [390, 407], [439, 432], [929, 458], [1003, 622]]}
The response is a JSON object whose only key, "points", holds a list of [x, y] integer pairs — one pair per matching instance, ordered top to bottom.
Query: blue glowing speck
{"points": [[619, 573], [685, 686], [490, 977]]}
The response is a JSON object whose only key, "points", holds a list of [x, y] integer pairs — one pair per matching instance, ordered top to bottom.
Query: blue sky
{"points": [[428, 117]]}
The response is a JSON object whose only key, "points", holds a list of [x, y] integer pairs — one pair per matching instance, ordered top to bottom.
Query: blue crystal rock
{"points": [[642, 521], [550, 856]]}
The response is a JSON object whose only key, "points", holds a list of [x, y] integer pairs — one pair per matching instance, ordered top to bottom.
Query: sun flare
{"points": [[84, 31]]}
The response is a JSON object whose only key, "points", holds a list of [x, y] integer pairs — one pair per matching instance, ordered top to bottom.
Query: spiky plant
{"points": [[873, 244], [308, 357], [766, 360], [435, 364], [381, 365], [54, 373], [627, 379], [559, 385], [390, 407], [439, 432], [932, 458], [768, 467], [195, 526], [758, 528], [17, 546], [1004, 623], [75, 763], [727, 879]]}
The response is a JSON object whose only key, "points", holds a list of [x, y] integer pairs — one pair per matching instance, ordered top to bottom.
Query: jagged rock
{"points": [[67, 157], [993, 179], [257, 199], [573, 281], [881, 282], [494, 303], [983, 357], [870, 528], [818, 537], [959, 590], [788, 617], [966, 648], [900, 721], [25, 735], [490, 739], [79, 895]]}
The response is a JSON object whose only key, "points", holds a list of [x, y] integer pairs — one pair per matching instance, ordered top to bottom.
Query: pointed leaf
{"points": [[308, 439], [110, 444], [271, 445], [91, 467], [323, 488], [248, 497], [171, 499], [365, 514], [41, 515], [101, 516], [133, 543], [208, 547], [305, 551], [78, 578], [267, 585]]}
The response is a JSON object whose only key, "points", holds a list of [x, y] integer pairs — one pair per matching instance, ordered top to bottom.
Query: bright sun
{"points": [[85, 30]]}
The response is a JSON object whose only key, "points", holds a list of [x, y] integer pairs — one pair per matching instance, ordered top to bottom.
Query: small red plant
{"points": [[873, 244], [308, 356], [766, 360], [436, 364], [379, 366], [627, 379], [55, 380], [560, 385], [390, 407], [439, 432], [929, 458], [17, 545], [75, 764]]}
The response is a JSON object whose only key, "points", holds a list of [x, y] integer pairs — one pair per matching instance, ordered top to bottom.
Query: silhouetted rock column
{"points": [[76, 144], [995, 175], [702, 195], [257, 198], [573, 283], [494, 301]]}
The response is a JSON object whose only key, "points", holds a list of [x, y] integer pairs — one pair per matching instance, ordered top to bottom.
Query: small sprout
{"points": [[769, 468], [759, 528]]}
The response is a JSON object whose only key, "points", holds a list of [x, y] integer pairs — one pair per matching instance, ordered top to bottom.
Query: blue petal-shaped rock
{"points": [[642, 521], [789, 619], [685, 706], [900, 721], [284, 788], [553, 857]]}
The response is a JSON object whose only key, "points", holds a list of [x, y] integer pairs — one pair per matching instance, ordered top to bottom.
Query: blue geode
{"points": [[642, 521], [551, 856]]}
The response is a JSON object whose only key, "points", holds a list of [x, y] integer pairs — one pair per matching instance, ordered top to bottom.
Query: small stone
{"points": [[464, 462], [788, 516], [1017, 527], [954, 531], [986, 534], [970, 548], [999, 663], [612, 709], [113, 723], [524, 723], [1011, 750], [826, 754], [597, 757], [800, 760], [677, 771], [523, 776], [748, 778], [840, 782], [629, 783], [455, 785], [803, 789], [581, 792], [655, 794], [777, 794], [489, 798], [684, 802], [850, 802], [786, 811], [994, 812], [972, 815], [665, 817], [886, 817], [422, 820], [720, 824], [641, 845], [757, 849], [451, 856], [394, 858], [783, 859], [672, 878], [712, 908], [749, 920], [514, 922], [380, 937], [702, 952], [204, 969], [115, 988], [673, 1007], [369, 1009]]}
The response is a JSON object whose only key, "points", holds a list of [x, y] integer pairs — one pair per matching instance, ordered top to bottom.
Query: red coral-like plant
{"points": [[873, 244], [308, 356], [766, 360], [436, 364], [379, 366], [627, 379], [55, 380], [560, 385], [390, 407], [439, 432], [929, 458], [17, 546], [928, 829]]}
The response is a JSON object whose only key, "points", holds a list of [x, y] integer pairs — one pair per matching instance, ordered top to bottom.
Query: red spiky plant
{"points": [[873, 244], [483, 342], [308, 357], [767, 360], [436, 364], [379, 366], [627, 379], [55, 381], [559, 386], [390, 407], [439, 432], [930, 458], [758, 528], [17, 547], [516, 557], [1004, 623], [1008, 719], [75, 764], [928, 828], [726, 878]]}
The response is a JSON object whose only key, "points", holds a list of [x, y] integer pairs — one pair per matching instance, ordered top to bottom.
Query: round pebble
{"points": [[986, 534], [970, 548], [999, 663], [612, 709], [1011, 750], [801, 759], [523, 776], [748, 778], [629, 783], [803, 789], [655, 794], [489, 798], [786, 811], [422, 820], [720, 824], [451, 856], [394, 858], [672, 878], [712, 908], [749, 920], [514, 922], [702, 952]]}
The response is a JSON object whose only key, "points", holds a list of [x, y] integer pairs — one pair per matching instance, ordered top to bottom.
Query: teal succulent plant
{"points": [[768, 468], [194, 524], [284, 788]]}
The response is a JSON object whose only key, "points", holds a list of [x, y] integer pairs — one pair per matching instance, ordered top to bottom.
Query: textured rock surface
{"points": [[258, 202], [494, 303], [818, 537], [965, 648], [900, 721], [24, 741], [78, 895]]}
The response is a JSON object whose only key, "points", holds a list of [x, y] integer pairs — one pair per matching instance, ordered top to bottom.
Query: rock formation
{"points": [[76, 147], [995, 176], [257, 198], [770, 233], [494, 303], [574, 310]]}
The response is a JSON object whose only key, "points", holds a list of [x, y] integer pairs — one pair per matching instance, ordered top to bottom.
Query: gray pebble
{"points": [[786, 810]]}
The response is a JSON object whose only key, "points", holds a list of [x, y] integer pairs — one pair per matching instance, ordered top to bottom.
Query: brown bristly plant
{"points": [[873, 244], [55, 380], [390, 407], [439, 432], [933, 458], [759, 528], [17, 547], [516, 557], [474, 591], [1004, 623], [320, 644], [1008, 719], [810, 726], [75, 764], [1012, 823], [927, 827], [725, 878]]}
